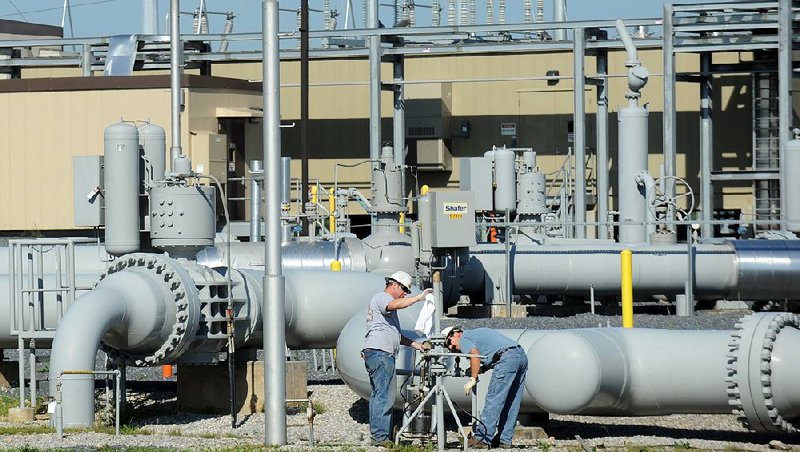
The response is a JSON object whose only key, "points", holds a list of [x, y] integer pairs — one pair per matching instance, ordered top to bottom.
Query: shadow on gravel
{"points": [[565, 430]]}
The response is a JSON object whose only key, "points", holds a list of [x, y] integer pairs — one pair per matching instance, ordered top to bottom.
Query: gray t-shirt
{"points": [[383, 327]]}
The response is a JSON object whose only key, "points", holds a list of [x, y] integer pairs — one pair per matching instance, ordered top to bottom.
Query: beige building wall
{"points": [[43, 130]]}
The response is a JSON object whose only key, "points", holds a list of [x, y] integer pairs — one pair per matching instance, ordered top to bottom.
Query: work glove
{"points": [[426, 346], [470, 384]]}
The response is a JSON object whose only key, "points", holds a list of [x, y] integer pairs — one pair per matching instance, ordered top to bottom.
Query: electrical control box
{"points": [[476, 176], [87, 190], [452, 219]]}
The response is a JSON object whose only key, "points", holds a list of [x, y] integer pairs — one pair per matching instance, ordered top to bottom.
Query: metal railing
{"points": [[30, 289]]}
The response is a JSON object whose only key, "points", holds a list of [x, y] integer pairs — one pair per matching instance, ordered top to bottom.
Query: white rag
{"points": [[424, 323]]}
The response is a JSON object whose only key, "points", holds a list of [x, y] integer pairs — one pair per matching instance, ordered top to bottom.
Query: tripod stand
{"points": [[434, 362]]}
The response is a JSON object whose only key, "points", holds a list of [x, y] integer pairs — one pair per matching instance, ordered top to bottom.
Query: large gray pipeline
{"points": [[738, 269], [150, 310], [635, 372]]}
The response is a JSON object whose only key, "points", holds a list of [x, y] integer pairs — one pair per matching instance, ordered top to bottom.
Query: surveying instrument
{"points": [[433, 369]]}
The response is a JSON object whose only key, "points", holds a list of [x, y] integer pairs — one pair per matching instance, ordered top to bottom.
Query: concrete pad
{"points": [[493, 310], [204, 388], [20, 415]]}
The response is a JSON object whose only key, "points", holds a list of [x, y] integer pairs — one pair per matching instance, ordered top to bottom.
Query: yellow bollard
{"points": [[424, 190], [313, 191], [331, 209], [402, 222], [336, 266], [626, 268]]}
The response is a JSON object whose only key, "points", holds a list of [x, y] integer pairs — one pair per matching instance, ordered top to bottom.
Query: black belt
{"points": [[500, 352], [497, 355]]}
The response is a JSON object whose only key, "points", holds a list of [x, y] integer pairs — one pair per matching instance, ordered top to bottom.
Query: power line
{"points": [[58, 8]]}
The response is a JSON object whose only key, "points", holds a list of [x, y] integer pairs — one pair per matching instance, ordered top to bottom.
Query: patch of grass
{"points": [[7, 402], [319, 407], [26, 429], [174, 432], [543, 445], [682, 445]]}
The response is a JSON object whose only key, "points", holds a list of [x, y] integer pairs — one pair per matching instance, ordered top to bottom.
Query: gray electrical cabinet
{"points": [[476, 176], [87, 190], [452, 219]]}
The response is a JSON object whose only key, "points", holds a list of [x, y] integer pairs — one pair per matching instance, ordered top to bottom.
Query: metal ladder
{"points": [[766, 148], [31, 289]]}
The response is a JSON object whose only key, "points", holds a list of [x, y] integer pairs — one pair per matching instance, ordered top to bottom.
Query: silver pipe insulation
{"points": [[150, 17], [175, 72], [579, 131], [256, 177], [739, 269], [150, 310], [274, 340], [632, 372]]}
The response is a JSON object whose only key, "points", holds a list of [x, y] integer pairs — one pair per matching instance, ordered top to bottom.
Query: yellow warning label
{"points": [[456, 216]]}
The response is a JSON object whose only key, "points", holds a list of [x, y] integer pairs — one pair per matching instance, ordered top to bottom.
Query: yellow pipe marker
{"points": [[331, 209], [402, 222], [626, 267]]}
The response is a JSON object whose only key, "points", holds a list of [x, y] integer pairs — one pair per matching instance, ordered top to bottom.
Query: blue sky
{"points": [[111, 17]]}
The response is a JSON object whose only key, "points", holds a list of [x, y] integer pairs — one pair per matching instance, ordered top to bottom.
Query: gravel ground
{"points": [[343, 422]]}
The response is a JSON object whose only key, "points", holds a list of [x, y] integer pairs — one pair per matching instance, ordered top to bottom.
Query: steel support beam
{"points": [[784, 96], [669, 112], [579, 129], [706, 144], [602, 175], [274, 323]]}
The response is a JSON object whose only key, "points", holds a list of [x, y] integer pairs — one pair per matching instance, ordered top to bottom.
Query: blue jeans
{"points": [[380, 367], [501, 404]]}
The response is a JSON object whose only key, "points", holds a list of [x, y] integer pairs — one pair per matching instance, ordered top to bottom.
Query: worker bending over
{"points": [[509, 364]]}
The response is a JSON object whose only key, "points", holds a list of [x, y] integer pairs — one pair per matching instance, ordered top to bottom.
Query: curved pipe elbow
{"points": [[625, 37]]}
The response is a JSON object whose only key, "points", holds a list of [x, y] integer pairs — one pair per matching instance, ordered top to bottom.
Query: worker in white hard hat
{"points": [[381, 345], [509, 364]]}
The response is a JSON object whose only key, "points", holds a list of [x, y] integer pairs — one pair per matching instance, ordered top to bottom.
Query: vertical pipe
{"points": [[559, 15], [150, 17], [86, 60], [175, 72], [374, 84], [784, 96], [304, 105], [669, 112], [578, 118], [399, 119], [706, 144], [602, 145], [255, 199], [331, 211], [626, 268], [685, 307], [437, 327], [274, 329], [32, 364]]}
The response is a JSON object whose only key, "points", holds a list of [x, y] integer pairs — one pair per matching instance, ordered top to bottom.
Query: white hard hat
{"points": [[402, 278], [446, 332]]}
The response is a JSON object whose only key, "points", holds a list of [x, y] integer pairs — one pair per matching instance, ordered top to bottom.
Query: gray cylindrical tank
{"points": [[153, 140], [632, 160], [792, 171], [505, 178], [121, 181], [182, 218]]}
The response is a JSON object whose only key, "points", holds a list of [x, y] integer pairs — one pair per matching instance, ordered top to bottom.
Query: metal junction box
{"points": [[476, 176], [87, 190], [452, 219]]}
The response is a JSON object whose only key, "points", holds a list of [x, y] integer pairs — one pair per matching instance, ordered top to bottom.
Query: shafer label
{"points": [[455, 210]]}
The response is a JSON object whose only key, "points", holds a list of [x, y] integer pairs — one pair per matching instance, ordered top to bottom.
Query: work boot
{"points": [[475, 443], [388, 444], [505, 446]]}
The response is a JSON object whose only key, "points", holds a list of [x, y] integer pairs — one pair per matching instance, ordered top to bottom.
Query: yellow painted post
{"points": [[424, 190], [313, 194], [331, 209], [402, 222], [336, 266], [626, 267]]}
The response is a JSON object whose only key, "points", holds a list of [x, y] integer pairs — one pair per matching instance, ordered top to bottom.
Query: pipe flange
{"points": [[179, 284], [749, 372]]}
